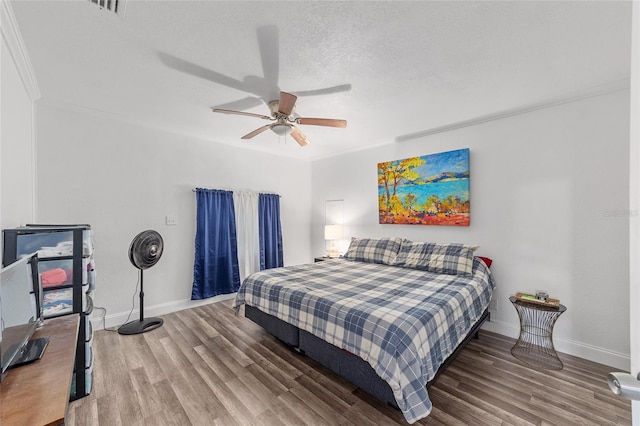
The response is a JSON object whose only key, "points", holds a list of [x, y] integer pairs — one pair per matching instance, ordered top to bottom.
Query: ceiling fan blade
{"points": [[269, 43], [201, 72], [249, 84], [325, 91], [286, 103], [241, 104], [248, 114], [329, 122], [256, 132], [299, 137]]}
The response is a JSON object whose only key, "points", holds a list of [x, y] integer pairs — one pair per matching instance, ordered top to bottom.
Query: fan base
{"points": [[138, 327]]}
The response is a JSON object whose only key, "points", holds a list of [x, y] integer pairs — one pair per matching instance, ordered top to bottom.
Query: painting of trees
{"points": [[394, 173], [429, 190]]}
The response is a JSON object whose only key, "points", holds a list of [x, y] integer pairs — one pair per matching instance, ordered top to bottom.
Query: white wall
{"points": [[122, 179], [17, 190], [549, 202]]}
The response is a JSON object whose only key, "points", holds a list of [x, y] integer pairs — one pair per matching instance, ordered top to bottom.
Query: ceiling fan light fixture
{"points": [[283, 118], [282, 129]]}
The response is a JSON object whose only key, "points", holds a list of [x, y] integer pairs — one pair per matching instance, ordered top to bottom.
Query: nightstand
{"points": [[535, 344]]}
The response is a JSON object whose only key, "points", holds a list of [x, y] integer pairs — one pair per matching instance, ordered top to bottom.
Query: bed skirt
{"points": [[345, 364]]}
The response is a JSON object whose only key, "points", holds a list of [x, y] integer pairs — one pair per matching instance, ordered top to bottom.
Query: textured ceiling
{"points": [[408, 66]]}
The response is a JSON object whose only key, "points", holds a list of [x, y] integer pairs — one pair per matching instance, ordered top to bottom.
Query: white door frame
{"points": [[634, 205]]}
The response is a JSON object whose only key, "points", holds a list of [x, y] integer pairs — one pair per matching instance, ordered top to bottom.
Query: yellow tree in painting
{"points": [[394, 173], [384, 179], [409, 202], [432, 206]]}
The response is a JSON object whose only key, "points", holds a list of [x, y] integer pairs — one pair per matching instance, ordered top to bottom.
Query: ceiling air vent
{"points": [[114, 6]]}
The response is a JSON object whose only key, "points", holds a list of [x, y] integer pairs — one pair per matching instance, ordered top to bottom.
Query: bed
{"points": [[387, 316]]}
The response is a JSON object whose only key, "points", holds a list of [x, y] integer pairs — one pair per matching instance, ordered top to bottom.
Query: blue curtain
{"points": [[271, 255], [215, 269]]}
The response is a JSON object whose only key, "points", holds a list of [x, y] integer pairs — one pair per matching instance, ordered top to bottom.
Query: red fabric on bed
{"points": [[486, 261]]}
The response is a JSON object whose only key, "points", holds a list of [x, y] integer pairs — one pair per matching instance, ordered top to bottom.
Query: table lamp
{"points": [[332, 233]]}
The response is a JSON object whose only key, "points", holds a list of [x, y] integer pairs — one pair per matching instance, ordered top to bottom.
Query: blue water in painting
{"points": [[458, 187]]}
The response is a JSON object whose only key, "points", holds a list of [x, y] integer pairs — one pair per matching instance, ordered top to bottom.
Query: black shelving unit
{"points": [[65, 264]]}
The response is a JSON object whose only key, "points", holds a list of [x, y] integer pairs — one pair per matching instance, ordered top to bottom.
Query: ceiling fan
{"points": [[282, 115]]}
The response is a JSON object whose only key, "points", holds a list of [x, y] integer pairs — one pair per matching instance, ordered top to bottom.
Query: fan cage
{"points": [[146, 249]]}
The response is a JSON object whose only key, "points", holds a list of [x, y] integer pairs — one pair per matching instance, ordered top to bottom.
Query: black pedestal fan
{"points": [[144, 252]]}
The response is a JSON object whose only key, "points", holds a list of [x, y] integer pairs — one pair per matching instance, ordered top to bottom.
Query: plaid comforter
{"points": [[404, 322]]}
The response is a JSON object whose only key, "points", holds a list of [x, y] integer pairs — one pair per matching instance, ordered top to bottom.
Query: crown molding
{"points": [[19, 55], [591, 92]]}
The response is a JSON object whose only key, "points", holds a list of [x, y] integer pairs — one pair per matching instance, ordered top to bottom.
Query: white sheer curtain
{"points": [[247, 231]]}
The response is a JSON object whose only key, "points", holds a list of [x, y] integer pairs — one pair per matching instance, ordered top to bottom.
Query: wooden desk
{"points": [[38, 393]]}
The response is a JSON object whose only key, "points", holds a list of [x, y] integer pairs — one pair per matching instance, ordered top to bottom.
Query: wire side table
{"points": [[535, 344]]}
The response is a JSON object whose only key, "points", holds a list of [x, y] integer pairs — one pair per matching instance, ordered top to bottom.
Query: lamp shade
{"points": [[282, 129], [333, 232]]}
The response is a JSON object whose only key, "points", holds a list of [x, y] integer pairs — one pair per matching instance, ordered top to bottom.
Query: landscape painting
{"points": [[427, 190]]}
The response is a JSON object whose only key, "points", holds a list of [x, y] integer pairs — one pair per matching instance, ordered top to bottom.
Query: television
{"points": [[20, 313]]}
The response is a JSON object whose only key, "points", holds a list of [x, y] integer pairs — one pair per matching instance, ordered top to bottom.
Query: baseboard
{"points": [[99, 320], [570, 347]]}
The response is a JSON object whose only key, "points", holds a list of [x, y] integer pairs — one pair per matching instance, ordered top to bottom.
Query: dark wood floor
{"points": [[205, 366]]}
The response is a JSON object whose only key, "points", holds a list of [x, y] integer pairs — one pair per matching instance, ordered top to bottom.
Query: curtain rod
{"points": [[259, 192]]}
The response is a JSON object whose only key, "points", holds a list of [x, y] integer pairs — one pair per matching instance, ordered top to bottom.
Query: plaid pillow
{"points": [[373, 250], [452, 259]]}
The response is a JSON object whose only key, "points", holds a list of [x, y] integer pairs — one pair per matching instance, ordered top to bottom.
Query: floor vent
{"points": [[114, 6]]}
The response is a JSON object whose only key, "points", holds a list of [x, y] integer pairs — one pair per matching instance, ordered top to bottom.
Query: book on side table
{"points": [[529, 298]]}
